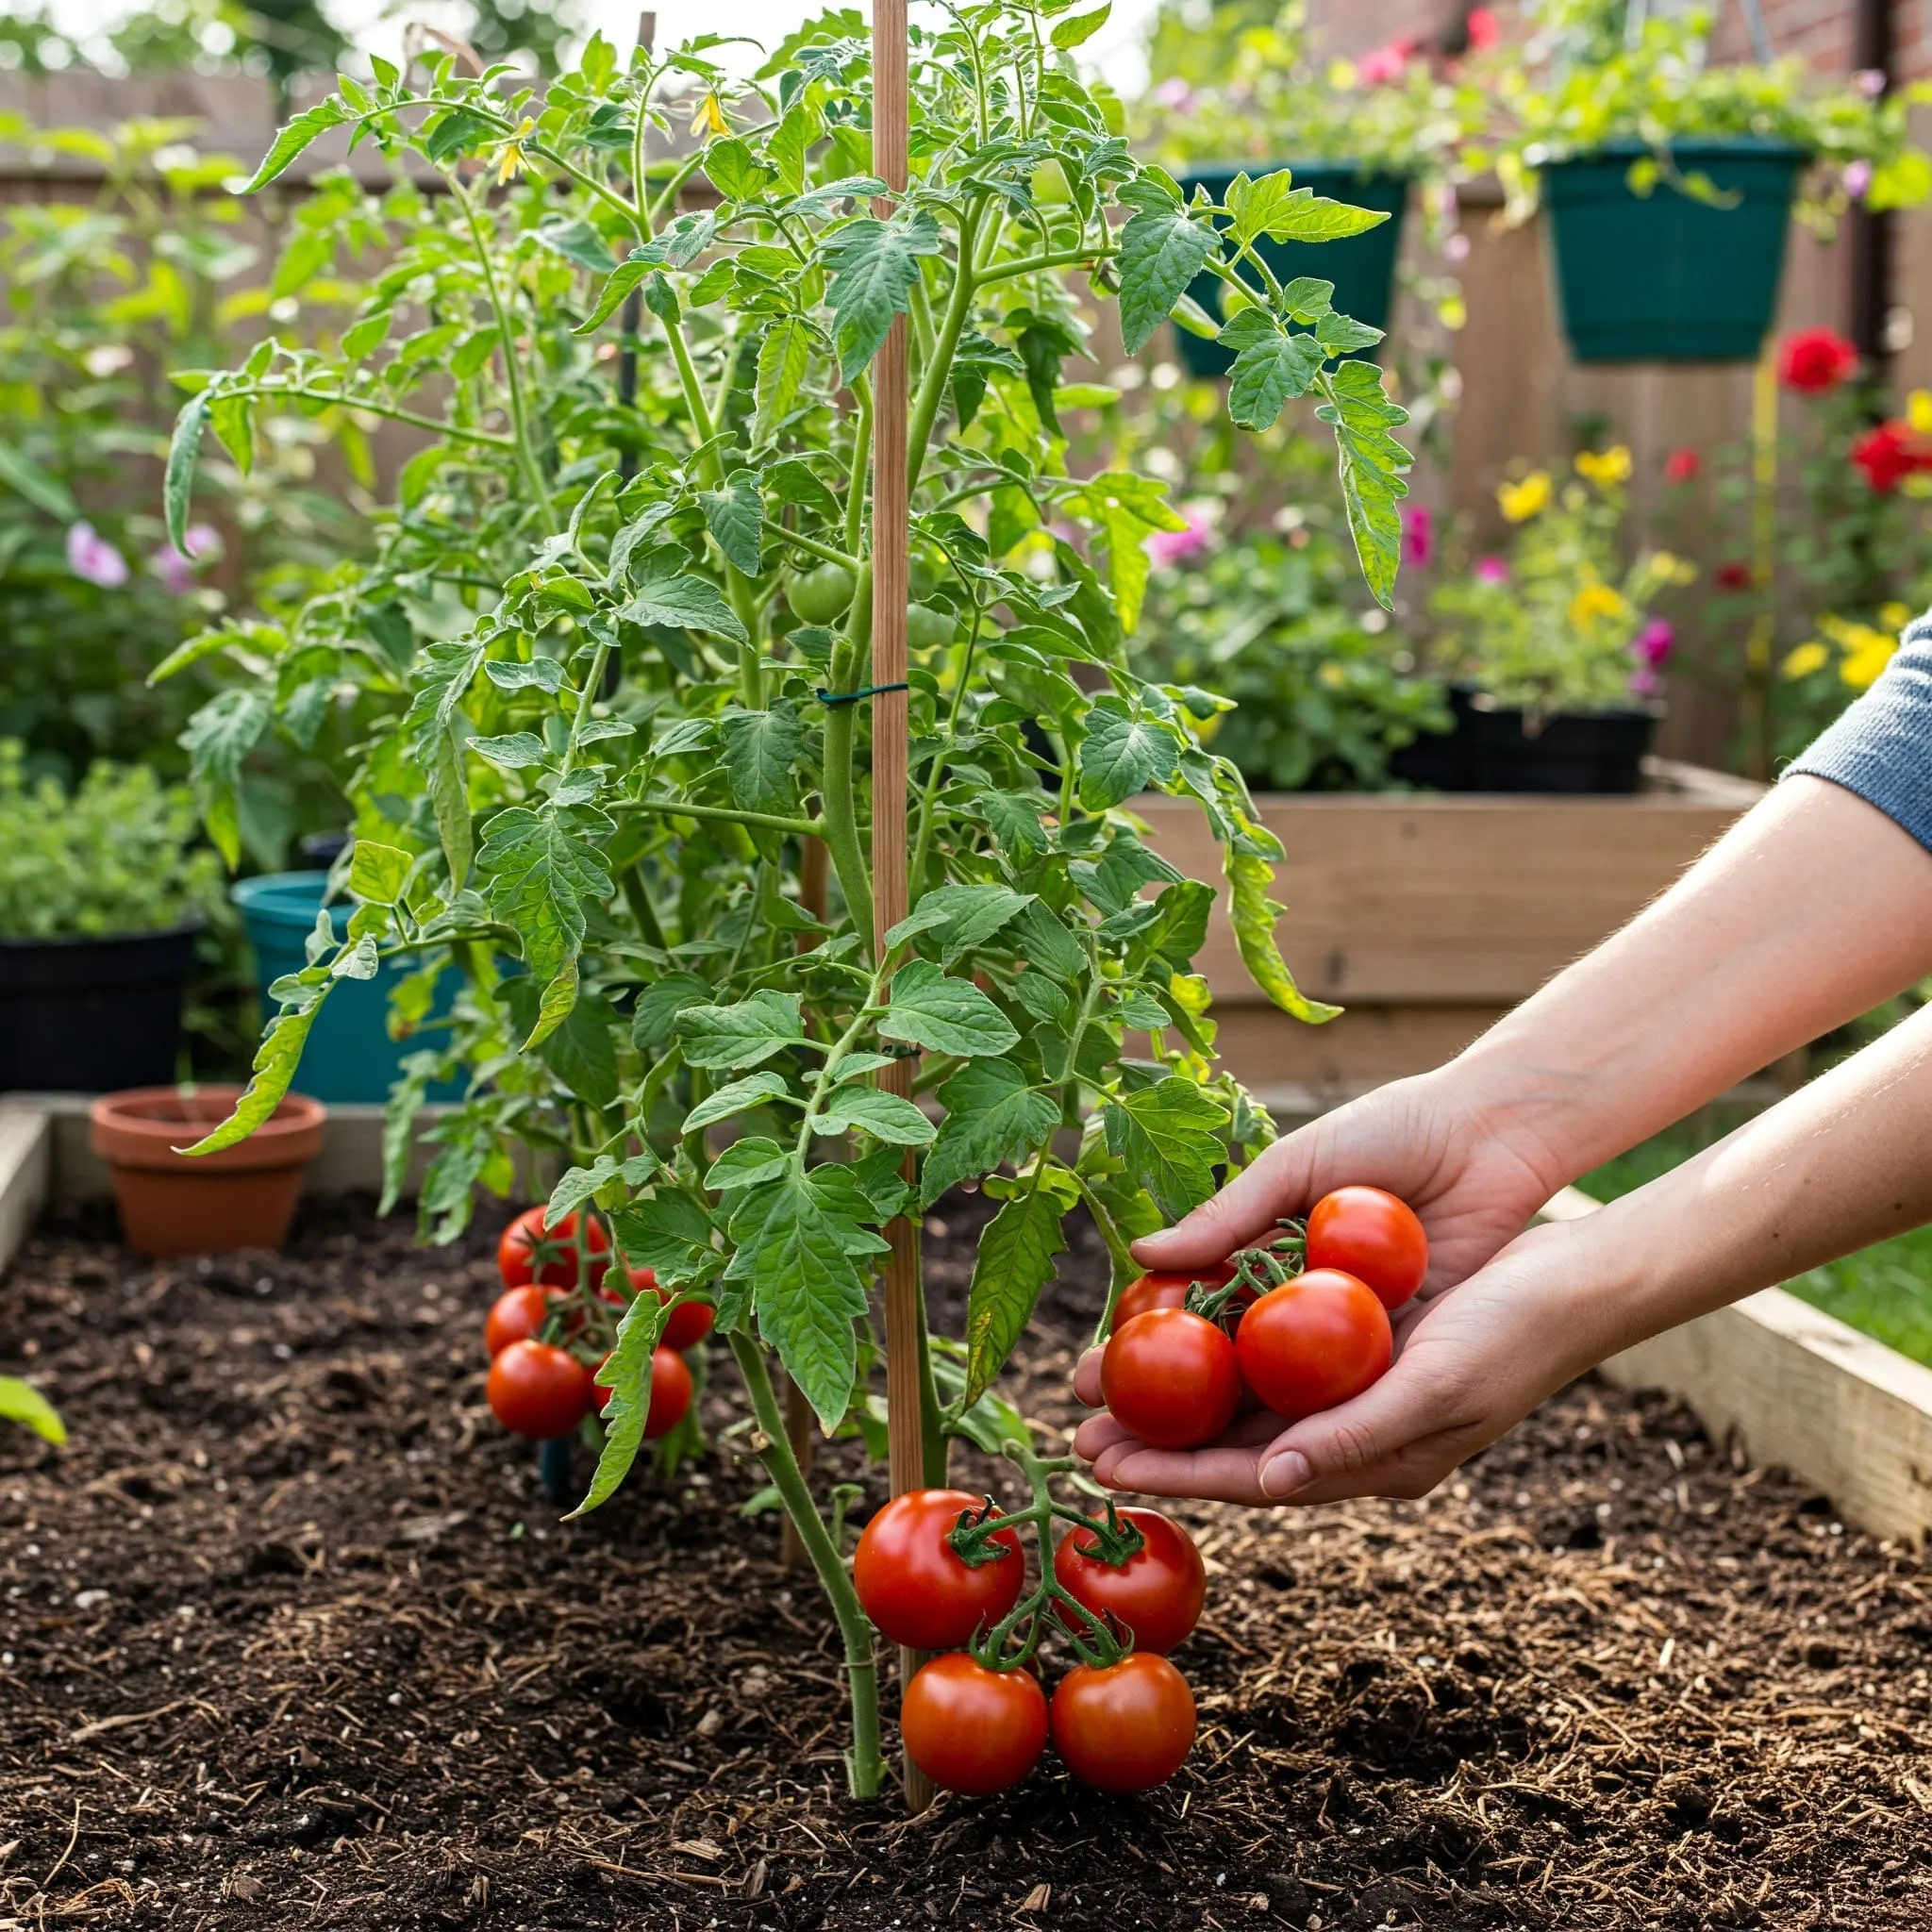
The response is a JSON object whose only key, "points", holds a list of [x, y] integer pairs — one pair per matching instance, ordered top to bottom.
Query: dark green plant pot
{"points": [[1362, 268], [1661, 277]]}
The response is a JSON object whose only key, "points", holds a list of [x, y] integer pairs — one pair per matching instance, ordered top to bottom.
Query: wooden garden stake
{"points": [[890, 575]]}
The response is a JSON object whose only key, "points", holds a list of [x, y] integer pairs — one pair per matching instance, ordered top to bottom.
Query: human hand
{"points": [[1470, 1364]]}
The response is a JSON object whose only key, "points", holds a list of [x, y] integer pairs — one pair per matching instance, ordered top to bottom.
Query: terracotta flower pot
{"points": [[242, 1197]]}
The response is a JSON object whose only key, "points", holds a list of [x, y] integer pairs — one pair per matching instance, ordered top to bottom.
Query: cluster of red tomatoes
{"points": [[543, 1341], [1174, 1378], [1124, 1727]]}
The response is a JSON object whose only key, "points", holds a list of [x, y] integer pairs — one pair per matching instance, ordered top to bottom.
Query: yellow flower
{"points": [[1342, 75], [709, 117], [510, 157], [1919, 410], [1611, 466], [1519, 502], [1595, 601], [1896, 616], [1871, 654], [1806, 659], [1332, 677]]}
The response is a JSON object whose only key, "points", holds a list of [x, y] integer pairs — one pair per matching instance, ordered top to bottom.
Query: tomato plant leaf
{"points": [[1080, 27], [306, 127], [1302, 215], [1161, 251], [874, 265], [784, 356], [1270, 366], [1373, 467], [177, 480], [736, 517], [685, 602], [218, 737], [759, 747], [1124, 752], [379, 873], [544, 875], [1253, 913], [967, 915], [944, 1014], [653, 1022], [741, 1035], [274, 1064], [739, 1097], [399, 1114], [993, 1116], [888, 1117], [1170, 1136], [746, 1162], [576, 1186], [670, 1234], [1015, 1263], [627, 1374], [22, 1403]]}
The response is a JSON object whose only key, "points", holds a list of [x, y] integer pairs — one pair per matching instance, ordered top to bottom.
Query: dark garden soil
{"points": [[289, 1639]]}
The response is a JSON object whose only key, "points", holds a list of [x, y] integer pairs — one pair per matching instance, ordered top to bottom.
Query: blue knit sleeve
{"points": [[1881, 748]]}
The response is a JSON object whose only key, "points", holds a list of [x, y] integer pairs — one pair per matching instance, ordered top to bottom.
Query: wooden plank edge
{"points": [[27, 1144], [1801, 1389]]}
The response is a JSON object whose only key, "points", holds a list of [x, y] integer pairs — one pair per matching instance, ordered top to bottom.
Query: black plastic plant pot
{"points": [[1361, 267], [1665, 277], [1568, 752], [1440, 761], [92, 1015]]}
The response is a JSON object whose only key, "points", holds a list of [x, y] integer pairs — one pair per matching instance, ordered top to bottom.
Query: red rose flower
{"points": [[1816, 361], [1890, 454], [1682, 466], [1734, 576]]}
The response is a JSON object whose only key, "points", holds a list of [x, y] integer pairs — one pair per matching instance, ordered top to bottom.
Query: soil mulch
{"points": [[290, 1637]]}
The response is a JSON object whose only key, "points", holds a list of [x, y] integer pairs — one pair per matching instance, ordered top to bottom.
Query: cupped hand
{"points": [[1470, 1364]]}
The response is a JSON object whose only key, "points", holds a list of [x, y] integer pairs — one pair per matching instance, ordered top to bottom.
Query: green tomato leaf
{"points": [[1080, 28], [305, 129], [1302, 215], [1162, 250], [873, 266], [784, 358], [1270, 366], [1373, 467], [177, 480], [735, 515], [684, 602], [219, 737], [760, 748], [514, 751], [1122, 753], [545, 873], [1252, 913], [967, 915], [944, 1014], [653, 1022], [741, 1035], [276, 1062], [739, 1097], [993, 1116], [888, 1117], [1170, 1136], [746, 1162], [576, 1185], [671, 1235], [1015, 1263], [627, 1375]]}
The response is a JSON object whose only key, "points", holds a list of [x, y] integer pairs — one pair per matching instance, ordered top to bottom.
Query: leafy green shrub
{"points": [[113, 858]]}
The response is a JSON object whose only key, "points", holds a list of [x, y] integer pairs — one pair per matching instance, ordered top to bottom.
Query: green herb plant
{"points": [[612, 665]]}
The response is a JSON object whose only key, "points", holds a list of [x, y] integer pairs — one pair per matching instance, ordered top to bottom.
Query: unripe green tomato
{"points": [[1050, 188], [822, 595], [928, 628]]}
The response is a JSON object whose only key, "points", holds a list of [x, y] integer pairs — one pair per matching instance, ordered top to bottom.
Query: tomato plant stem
{"points": [[727, 814], [864, 1767]]}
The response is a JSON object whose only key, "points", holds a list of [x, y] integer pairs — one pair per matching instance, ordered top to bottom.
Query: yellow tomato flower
{"points": [[709, 117], [510, 157], [1919, 410], [1606, 468], [1519, 502], [1595, 601], [1896, 616], [1806, 659], [1867, 659]]}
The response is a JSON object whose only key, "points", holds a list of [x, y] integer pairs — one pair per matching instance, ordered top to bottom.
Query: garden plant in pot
{"points": [[1671, 180], [1557, 651], [644, 768], [102, 894]]}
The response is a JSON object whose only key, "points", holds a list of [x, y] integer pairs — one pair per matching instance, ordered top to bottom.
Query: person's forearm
{"points": [[1811, 911], [1836, 1166]]}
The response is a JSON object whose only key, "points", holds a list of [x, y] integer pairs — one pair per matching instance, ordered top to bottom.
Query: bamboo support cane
{"points": [[890, 515]]}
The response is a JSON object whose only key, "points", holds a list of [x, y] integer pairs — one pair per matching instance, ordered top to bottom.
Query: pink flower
{"points": [[1484, 29], [1386, 63], [1870, 81], [1173, 93], [1857, 178], [1456, 247], [1417, 536], [1170, 547], [91, 556], [1491, 570], [176, 571], [1655, 643], [1646, 683]]}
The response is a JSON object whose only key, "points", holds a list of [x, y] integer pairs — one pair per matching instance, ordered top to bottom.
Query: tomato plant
{"points": [[615, 783], [1368, 1233], [528, 1251], [518, 1314], [688, 1323], [1313, 1342], [1169, 1376], [540, 1390], [917, 1588], [1156, 1596], [1125, 1726], [970, 1730]]}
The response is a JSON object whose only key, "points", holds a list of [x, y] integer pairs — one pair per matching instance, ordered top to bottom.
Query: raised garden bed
{"points": [[1427, 915], [287, 1635]]}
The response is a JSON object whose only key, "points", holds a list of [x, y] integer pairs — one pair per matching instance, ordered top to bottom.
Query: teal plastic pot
{"points": [[1362, 267], [1660, 277], [348, 1057]]}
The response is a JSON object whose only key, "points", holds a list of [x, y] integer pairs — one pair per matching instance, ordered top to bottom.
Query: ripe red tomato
{"points": [[1373, 1236], [518, 1263], [1165, 1289], [518, 1314], [689, 1323], [1314, 1342], [1169, 1379], [538, 1391], [916, 1588], [1156, 1594], [1127, 1728], [970, 1730]]}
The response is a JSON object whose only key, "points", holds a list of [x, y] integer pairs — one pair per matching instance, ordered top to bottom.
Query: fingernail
{"points": [[1288, 1473]]}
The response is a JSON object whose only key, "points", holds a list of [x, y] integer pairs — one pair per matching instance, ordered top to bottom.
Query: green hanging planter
{"points": [[1362, 267], [1663, 278]]}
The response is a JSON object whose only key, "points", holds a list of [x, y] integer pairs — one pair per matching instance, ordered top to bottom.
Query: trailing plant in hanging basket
{"points": [[613, 674]]}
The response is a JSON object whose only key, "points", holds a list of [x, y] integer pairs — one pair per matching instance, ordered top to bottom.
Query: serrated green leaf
{"points": [[1080, 28], [297, 135], [1303, 215], [1161, 252], [873, 266], [784, 358], [1270, 366], [1373, 467], [177, 481], [736, 517], [684, 602], [535, 673], [219, 737], [760, 748], [514, 750], [1122, 753], [449, 797], [1015, 817], [379, 873], [545, 873], [1253, 913], [967, 915], [658, 1005], [944, 1014], [741, 1035], [274, 1073], [739, 1097], [399, 1114], [993, 1116], [888, 1117], [1170, 1136], [746, 1162], [576, 1186], [671, 1235], [1015, 1263], [627, 1374], [22, 1403]]}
